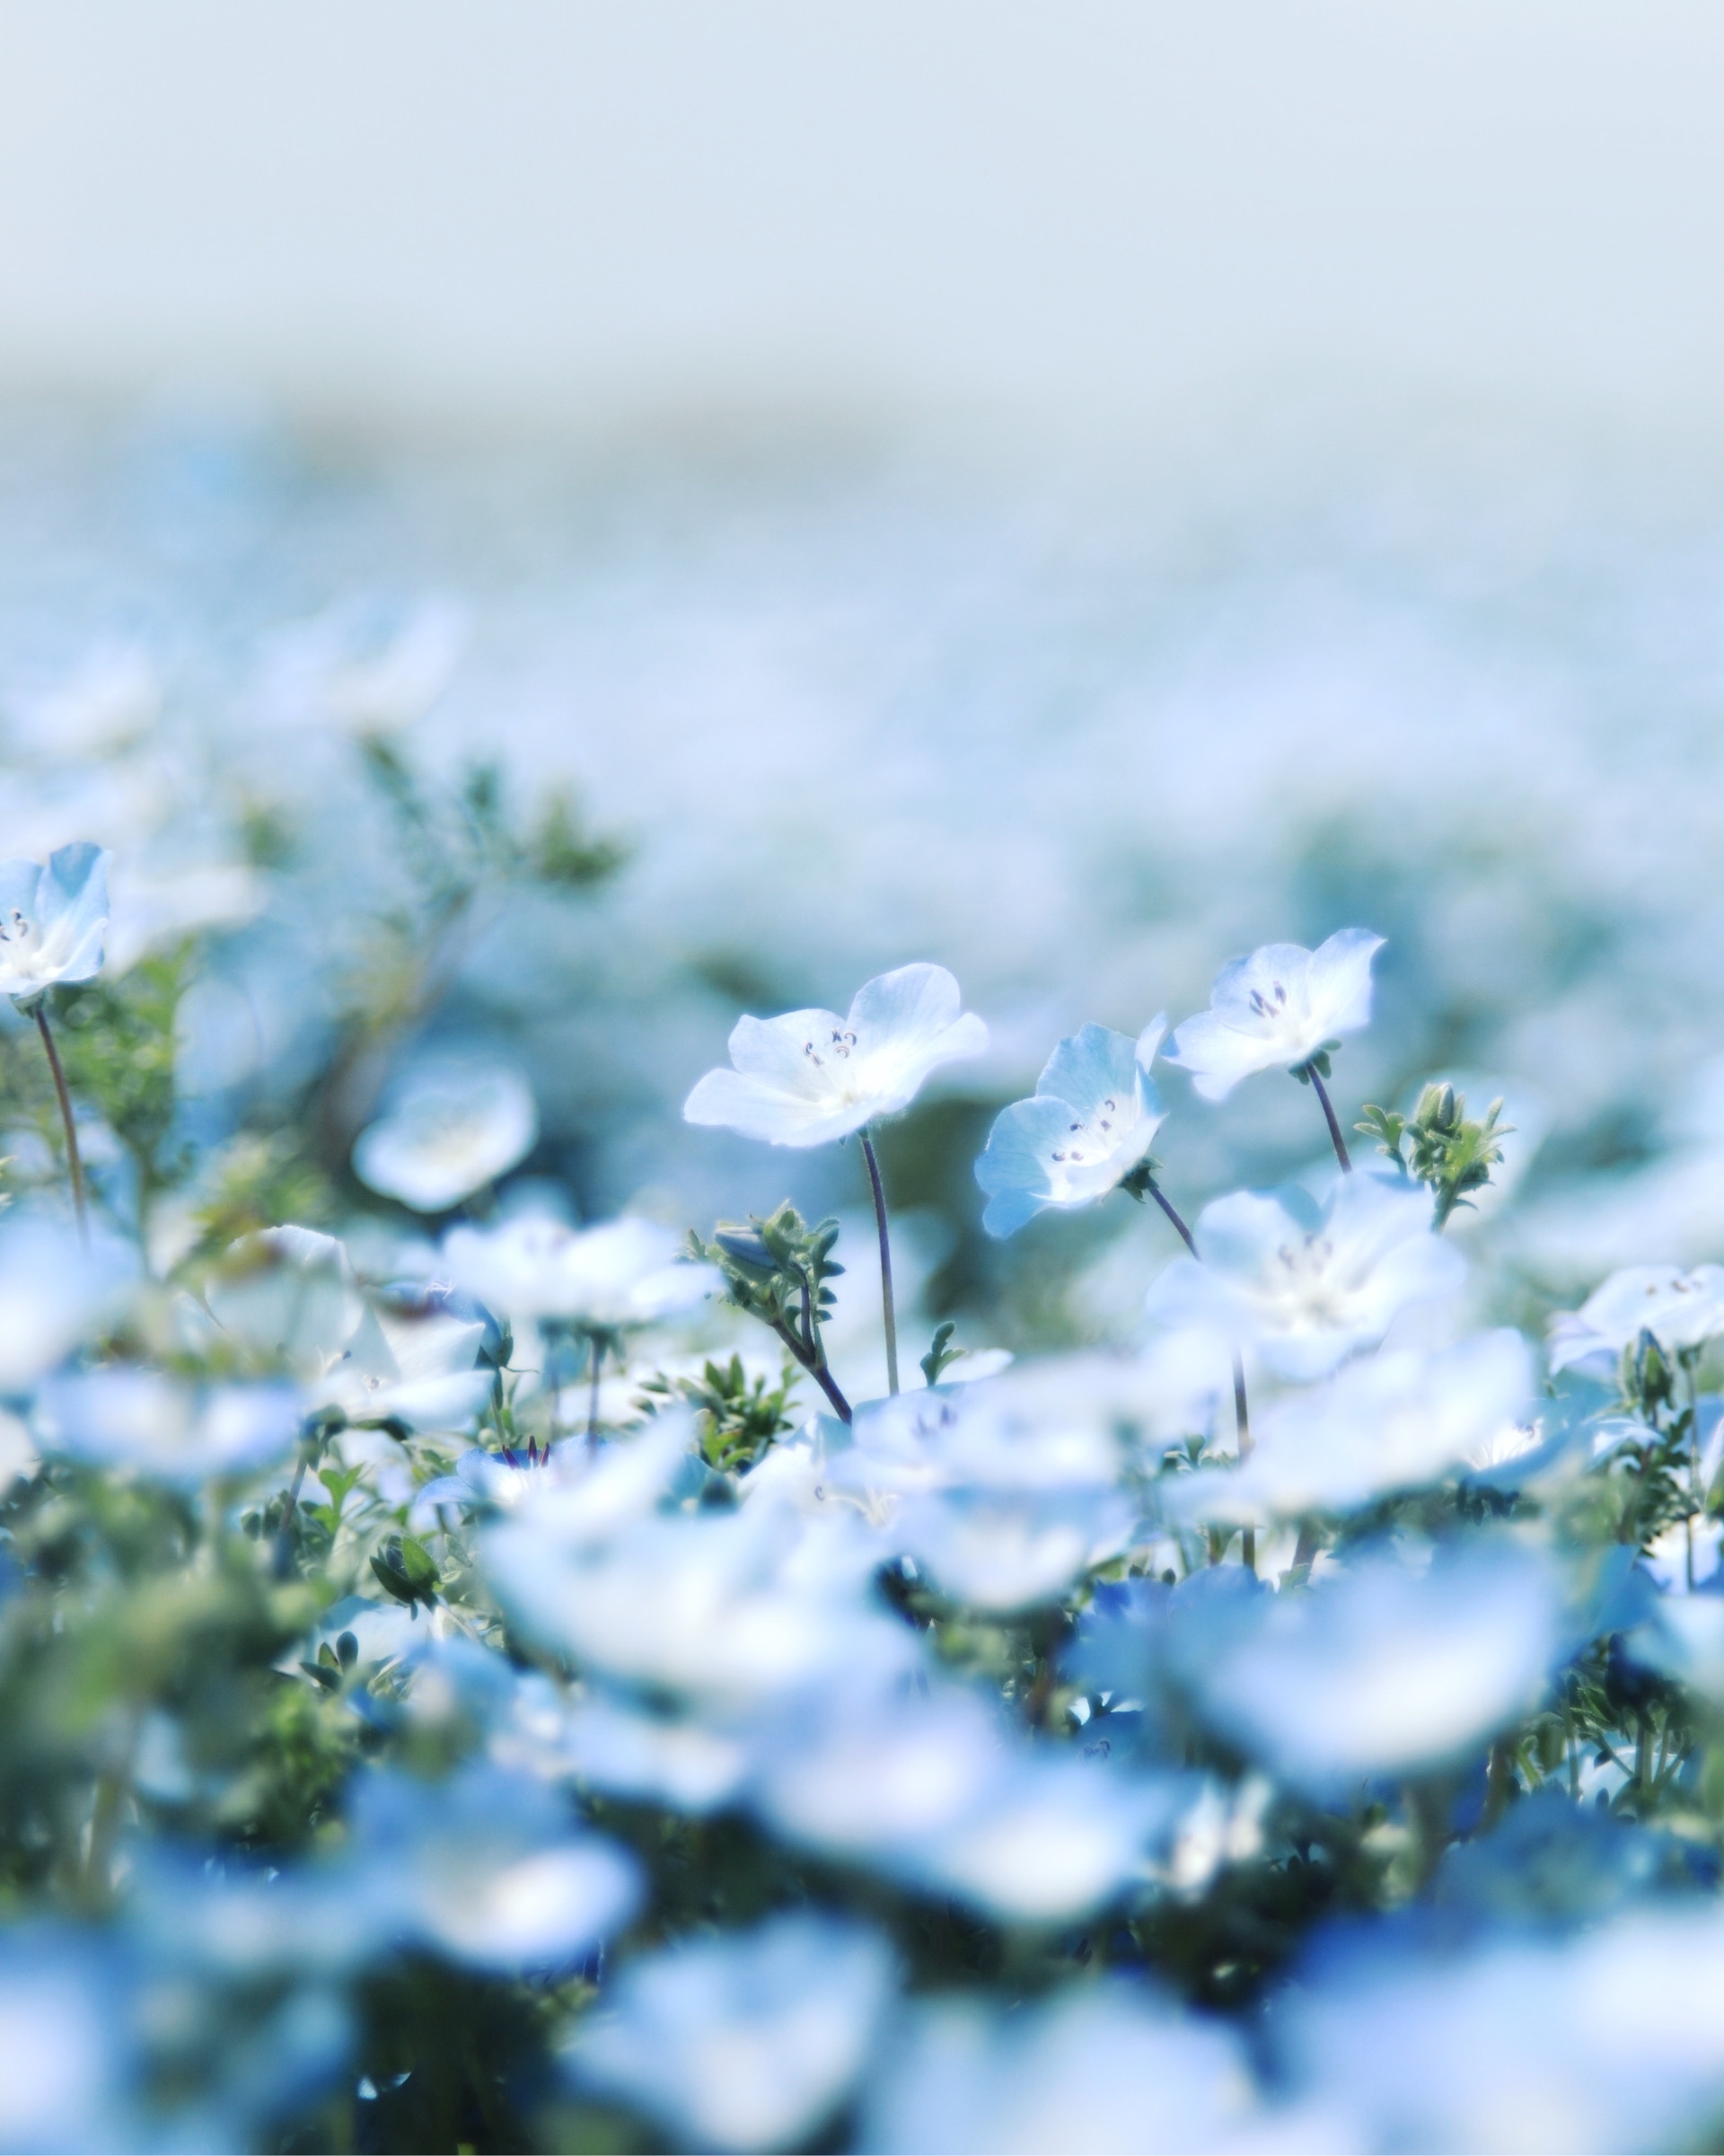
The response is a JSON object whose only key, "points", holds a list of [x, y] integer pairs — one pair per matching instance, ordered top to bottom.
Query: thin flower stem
{"points": [[1334, 1128], [73, 1161], [885, 1263], [597, 1343], [1241, 1407]]}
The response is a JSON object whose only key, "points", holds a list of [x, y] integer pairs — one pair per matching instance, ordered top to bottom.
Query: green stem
{"points": [[1334, 1128], [73, 1161], [885, 1263], [596, 1342], [1241, 1407]]}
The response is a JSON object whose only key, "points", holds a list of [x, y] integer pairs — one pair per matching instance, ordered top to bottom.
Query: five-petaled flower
{"points": [[52, 919], [1277, 1009], [810, 1076], [1092, 1120], [1681, 1310]]}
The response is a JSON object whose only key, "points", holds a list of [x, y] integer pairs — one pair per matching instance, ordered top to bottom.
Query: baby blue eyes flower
{"points": [[52, 919], [1277, 1009], [811, 1077], [1092, 1118], [448, 1134], [624, 1273], [1680, 1310]]}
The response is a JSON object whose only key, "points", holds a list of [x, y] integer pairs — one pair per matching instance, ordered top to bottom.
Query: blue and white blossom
{"points": [[52, 919], [1277, 1009], [810, 1076], [1092, 1120], [450, 1131], [534, 1267], [1307, 1282], [56, 1294], [1680, 1309], [137, 1418], [1395, 1422], [749, 2040]]}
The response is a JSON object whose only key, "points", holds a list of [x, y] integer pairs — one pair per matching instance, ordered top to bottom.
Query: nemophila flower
{"points": [[52, 919], [1277, 1009], [809, 1077], [1093, 1118], [450, 1131], [534, 1267], [1307, 1282], [55, 1294], [287, 1295], [1679, 1309], [411, 1363], [1389, 1423], [164, 1428], [1001, 1551], [734, 1609], [1381, 1669], [625, 1750], [932, 1790], [486, 1868], [68, 2037], [1600, 2037], [748, 2040], [1108, 2066]]}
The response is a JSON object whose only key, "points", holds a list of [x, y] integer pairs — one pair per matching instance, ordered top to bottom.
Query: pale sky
{"points": [[1100, 214]]}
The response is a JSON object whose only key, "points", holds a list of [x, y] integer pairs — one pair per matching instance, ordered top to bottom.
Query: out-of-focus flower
{"points": [[52, 919], [1277, 1009], [809, 1077], [1092, 1118], [448, 1133], [624, 1272], [1308, 1283], [55, 1294], [287, 1295], [1679, 1309], [412, 1362], [1390, 1422], [163, 1428], [1010, 1550], [732, 1609], [1381, 1669], [627, 1751], [932, 1790], [487, 1868], [1606, 2039], [748, 2041], [69, 2055], [1108, 2067]]}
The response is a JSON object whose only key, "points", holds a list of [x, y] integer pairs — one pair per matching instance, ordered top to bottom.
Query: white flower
{"points": [[52, 919], [1277, 1009], [810, 1075], [1093, 1118], [449, 1132], [626, 1272], [1308, 1283], [54, 1294], [1679, 1309], [410, 1362], [1392, 1422], [173, 1432], [1001, 1551], [1381, 1670], [745, 2041], [1110, 2065]]}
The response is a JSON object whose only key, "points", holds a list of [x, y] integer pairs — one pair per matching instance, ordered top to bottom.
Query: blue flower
{"points": [[52, 919], [1277, 1009], [1092, 1121]]}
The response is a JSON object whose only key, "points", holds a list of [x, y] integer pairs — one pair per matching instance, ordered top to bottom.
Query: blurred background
{"points": [[1069, 494]]}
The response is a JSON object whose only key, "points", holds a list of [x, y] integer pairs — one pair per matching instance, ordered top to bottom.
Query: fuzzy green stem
{"points": [[1341, 1153], [74, 1160], [885, 1263], [596, 1343], [1241, 1408]]}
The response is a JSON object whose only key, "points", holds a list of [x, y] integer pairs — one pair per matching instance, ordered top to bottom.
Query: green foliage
{"points": [[116, 1040], [1446, 1150], [775, 1269], [941, 1355], [740, 1418], [405, 1569]]}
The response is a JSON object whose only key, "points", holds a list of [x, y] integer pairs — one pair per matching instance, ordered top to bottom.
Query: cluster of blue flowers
{"points": [[476, 1679]]}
